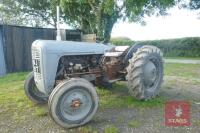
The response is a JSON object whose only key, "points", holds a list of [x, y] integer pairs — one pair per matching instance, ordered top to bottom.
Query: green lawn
{"points": [[183, 70], [186, 72], [13, 100]]}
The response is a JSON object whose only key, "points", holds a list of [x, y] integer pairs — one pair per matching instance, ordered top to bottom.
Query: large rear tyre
{"points": [[145, 72], [32, 91], [73, 103]]}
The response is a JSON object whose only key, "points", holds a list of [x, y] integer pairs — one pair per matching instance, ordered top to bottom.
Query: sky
{"points": [[180, 23]]}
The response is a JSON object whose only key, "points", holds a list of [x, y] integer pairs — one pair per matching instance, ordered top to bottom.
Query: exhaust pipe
{"points": [[58, 37]]}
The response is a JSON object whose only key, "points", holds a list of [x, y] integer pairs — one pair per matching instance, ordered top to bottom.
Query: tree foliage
{"points": [[194, 4], [29, 12], [8, 14], [92, 16], [99, 16]]}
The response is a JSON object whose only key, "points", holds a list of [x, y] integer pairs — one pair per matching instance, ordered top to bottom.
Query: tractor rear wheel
{"points": [[145, 72], [32, 91], [73, 103]]}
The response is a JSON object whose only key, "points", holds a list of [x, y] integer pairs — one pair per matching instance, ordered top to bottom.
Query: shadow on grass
{"points": [[118, 96]]}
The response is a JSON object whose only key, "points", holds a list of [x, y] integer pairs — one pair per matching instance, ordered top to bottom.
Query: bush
{"points": [[120, 41], [184, 47]]}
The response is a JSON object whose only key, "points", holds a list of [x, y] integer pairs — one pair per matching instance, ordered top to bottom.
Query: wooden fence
{"points": [[15, 43]]}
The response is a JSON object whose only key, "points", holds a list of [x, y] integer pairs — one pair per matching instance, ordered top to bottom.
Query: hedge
{"points": [[122, 41], [184, 47]]}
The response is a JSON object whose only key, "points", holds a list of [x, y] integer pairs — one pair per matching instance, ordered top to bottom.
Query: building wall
{"points": [[17, 43], [2, 60]]}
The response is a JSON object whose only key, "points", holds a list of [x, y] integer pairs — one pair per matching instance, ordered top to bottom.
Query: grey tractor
{"points": [[65, 74]]}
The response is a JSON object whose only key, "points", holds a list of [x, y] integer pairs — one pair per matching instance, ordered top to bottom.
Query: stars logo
{"points": [[177, 113]]}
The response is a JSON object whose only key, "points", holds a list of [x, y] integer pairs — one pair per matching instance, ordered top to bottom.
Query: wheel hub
{"points": [[150, 73], [76, 103]]}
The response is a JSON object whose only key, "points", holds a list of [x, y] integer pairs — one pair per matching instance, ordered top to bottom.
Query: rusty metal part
{"points": [[113, 67], [91, 71], [111, 71], [76, 103]]}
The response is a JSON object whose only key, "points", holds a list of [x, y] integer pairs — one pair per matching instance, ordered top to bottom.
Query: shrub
{"points": [[122, 41], [184, 47]]}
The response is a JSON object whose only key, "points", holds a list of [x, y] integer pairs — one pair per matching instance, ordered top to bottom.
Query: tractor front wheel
{"points": [[145, 72], [32, 91], [73, 103]]}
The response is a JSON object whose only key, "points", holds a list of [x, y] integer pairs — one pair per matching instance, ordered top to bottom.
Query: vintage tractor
{"points": [[65, 73]]}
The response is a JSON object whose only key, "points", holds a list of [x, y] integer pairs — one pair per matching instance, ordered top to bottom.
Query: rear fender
{"points": [[130, 52]]}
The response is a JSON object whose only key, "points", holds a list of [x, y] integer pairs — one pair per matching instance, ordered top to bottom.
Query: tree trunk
{"points": [[109, 23], [99, 26], [86, 27], [108, 29]]}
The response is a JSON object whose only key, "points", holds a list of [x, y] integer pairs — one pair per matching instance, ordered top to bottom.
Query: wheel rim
{"points": [[151, 74], [75, 104]]}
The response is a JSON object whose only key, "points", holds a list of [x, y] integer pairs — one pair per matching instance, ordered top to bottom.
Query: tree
{"points": [[191, 4], [194, 4], [43, 9], [29, 12], [8, 16], [92, 16], [99, 16]]}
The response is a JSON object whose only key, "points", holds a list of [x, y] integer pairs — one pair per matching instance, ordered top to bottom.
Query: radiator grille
{"points": [[36, 63]]}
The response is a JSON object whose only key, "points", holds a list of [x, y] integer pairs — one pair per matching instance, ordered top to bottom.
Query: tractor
{"points": [[66, 74]]}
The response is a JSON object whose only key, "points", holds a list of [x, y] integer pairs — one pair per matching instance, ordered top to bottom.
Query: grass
{"points": [[183, 58], [183, 70], [181, 73], [118, 96], [13, 99], [15, 105], [41, 111], [196, 123], [134, 124], [86, 129], [111, 129]]}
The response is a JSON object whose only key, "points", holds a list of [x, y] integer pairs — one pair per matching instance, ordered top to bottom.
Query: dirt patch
{"points": [[177, 88]]}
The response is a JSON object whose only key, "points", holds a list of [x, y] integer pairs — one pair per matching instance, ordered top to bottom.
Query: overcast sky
{"points": [[181, 23]]}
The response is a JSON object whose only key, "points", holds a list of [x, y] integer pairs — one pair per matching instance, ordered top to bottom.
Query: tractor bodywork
{"points": [[46, 56]]}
